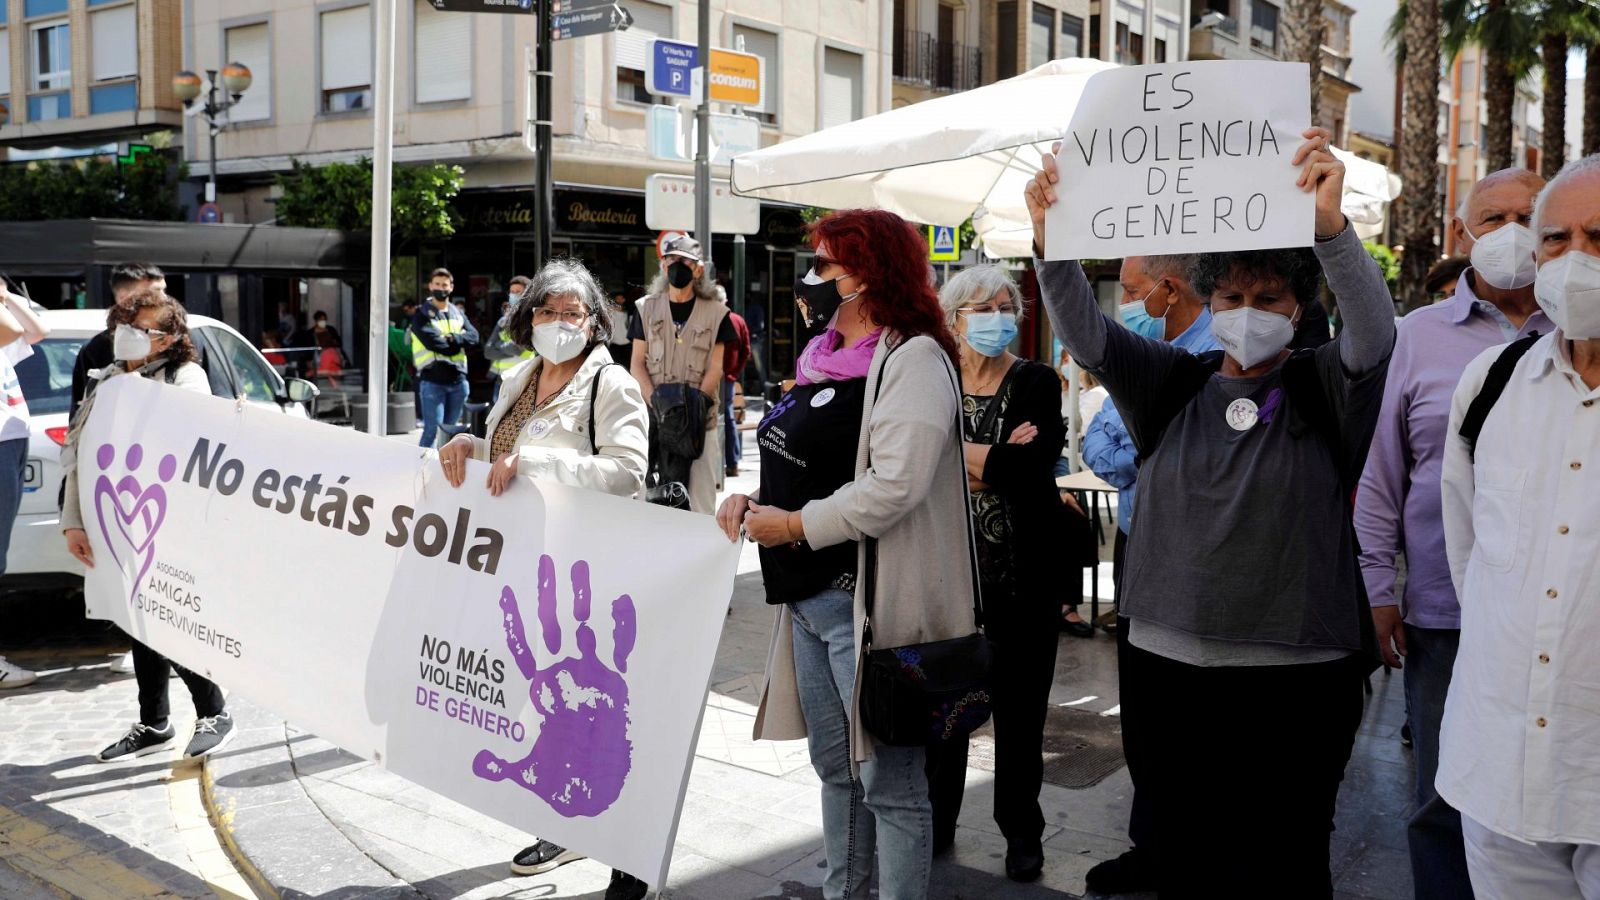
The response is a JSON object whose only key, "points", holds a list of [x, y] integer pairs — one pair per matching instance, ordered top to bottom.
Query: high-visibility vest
{"points": [[451, 322], [501, 366]]}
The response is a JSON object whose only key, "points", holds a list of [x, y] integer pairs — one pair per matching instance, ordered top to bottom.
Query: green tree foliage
{"points": [[89, 189], [339, 196], [1387, 262]]}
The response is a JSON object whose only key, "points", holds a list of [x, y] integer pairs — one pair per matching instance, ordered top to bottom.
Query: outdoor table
{"points": [[1087, 482]]}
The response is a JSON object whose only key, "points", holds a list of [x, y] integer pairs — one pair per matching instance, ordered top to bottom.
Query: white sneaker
{"points": [[123, 665], [13, 676]]}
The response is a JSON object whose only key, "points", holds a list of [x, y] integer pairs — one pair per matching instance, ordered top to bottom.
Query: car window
{"points": [[217, 374], [46, 376], [257, 381]]}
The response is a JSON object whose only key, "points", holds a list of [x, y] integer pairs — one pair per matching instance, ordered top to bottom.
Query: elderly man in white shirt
{"points": [[1520, 755]]}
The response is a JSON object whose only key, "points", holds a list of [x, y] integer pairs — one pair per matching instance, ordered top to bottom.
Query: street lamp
{"points": [[187, 86]]}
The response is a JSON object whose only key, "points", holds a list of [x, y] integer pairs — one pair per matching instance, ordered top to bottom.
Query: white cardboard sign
{"points": [[1183, 158], [541, 657]]}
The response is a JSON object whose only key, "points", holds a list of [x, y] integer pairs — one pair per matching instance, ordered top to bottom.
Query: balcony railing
{"points": [[924, 60]]}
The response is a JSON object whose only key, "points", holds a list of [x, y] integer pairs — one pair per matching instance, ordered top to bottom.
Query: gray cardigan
{"points": [[913, 498]]}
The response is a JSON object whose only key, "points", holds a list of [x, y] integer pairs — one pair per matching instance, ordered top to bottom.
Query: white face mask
{"points": [[1505, 256], [1568, 290], [1251, 336], [558, 341], [129, 344]]}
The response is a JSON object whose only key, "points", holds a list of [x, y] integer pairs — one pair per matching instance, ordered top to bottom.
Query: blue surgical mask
{"points": [[1139, 321], [990, 333]]}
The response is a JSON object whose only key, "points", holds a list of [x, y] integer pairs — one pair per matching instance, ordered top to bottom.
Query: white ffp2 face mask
{"points": [[1505, 256], [1568, 290], [1252, 336], [558, 341], [129, 344]]}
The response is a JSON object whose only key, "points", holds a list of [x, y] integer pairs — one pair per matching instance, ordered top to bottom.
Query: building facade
{"points": [[79, 74]]}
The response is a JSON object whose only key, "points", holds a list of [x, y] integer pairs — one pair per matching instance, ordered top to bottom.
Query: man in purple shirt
{"points": [[1398, 503]]}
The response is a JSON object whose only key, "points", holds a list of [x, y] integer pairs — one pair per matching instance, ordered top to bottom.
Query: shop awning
{"points": [[71, 246]]}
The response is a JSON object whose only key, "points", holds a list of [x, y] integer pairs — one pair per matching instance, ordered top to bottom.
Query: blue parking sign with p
{"points": [[668, 67], [942, 246]]}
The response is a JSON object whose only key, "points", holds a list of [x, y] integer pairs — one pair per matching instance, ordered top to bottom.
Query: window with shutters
{"points": [[1005, 29], [1041, 36], [114, 43], [764, 44], [252, 46], [631, 46], [443, 51], [52, 56], [346, 59], [5, 65], [841, 87]]}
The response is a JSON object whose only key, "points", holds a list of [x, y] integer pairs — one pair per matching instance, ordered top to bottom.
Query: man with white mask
{"points": [[1397, 505], [1519, 754]]}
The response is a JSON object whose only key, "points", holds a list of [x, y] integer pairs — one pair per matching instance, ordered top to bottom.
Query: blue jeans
{"points": [[441, 405], [734, 451], [13, 464], [888, 807], [1438, 851]]}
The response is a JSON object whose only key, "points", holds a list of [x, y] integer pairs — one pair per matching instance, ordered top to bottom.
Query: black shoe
{"points": [[1078, 628], [211, 733], [1405, 735], [140, 740], [542, 857], [1025, 865], [1129, 873], [625, 887]]}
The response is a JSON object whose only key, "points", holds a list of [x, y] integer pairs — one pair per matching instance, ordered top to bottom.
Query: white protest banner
{"points": [[1183, 158], [541, 656]]}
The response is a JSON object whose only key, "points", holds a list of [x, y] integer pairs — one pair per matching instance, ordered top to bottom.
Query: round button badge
{"points": [[822, 397], [1242, 414], [540, 426]]}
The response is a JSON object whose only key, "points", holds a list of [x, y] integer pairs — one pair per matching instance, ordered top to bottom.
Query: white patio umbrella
{"points": [[941, 161]]}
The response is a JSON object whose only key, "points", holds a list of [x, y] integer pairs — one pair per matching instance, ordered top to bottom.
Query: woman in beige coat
{"points": [[865, 446]]}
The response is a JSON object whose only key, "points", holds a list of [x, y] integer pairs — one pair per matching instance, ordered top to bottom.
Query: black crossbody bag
{"points": [[670, 494], [921, 694]]}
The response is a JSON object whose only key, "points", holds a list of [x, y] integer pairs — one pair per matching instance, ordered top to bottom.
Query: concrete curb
{"points": [[273, 830]]}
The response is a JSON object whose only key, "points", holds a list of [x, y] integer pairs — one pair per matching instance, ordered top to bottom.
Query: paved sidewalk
{"points": [[292, 816]]}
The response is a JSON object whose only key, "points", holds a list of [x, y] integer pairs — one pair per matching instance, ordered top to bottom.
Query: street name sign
{"points": [[524, 7], [585, 22], [669, 204]]}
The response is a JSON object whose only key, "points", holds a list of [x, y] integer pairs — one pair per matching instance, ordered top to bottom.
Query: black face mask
{"points": [[680, 275], [439, 295], [818, 300]]}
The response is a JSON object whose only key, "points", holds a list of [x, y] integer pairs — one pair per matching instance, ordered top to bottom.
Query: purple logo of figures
{"points": [[130, 513], [582, 755]]}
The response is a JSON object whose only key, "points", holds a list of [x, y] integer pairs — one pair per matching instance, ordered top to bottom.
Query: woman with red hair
{"points": [[861, 459]]}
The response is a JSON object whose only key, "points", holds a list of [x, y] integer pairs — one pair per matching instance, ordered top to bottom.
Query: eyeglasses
{"points": [[1007, 309], [545, 314]]}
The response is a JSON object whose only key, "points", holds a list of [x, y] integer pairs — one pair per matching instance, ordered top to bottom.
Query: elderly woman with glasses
{"points": [[541, 427], [1012, 435]]}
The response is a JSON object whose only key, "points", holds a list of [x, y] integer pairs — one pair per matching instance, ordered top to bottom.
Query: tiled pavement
{"points": [[314, 821]]}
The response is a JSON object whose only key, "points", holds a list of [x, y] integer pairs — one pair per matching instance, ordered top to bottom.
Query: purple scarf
{"points": [[824, 360]]}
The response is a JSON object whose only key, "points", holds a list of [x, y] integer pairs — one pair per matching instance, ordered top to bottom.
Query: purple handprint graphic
{"points": [[136, 511], [582, 755]]}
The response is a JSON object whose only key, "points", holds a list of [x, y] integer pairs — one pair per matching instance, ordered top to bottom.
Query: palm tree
{"points": [[1567, 23], [1301, 28], [1507, 31], [1418, 53], [1591, 99], [1553, 154]]}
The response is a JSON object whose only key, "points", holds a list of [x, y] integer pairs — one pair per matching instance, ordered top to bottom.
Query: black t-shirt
{"points": [[680, 315], [92, 357], [808, 451]]}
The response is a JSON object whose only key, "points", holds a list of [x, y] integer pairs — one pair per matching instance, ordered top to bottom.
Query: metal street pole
{"points": [[383, 12], [211, 132], [702, 151], [544, 177]]}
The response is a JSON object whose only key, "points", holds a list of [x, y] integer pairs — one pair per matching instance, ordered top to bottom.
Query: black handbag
{"points": [[671, 494], [921, 694]]}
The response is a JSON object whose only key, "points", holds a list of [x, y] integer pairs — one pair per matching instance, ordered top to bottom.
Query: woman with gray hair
{"points": [[570, 415], [1012, 436]]}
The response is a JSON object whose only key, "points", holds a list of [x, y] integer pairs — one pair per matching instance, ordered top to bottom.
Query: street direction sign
{"points": [[561, 6], [524, 7], [585, 22], [667, 67], [669, 203], [942, 244]]}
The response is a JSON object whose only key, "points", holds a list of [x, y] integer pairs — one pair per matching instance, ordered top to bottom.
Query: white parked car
{"points": [[38, 555]]}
